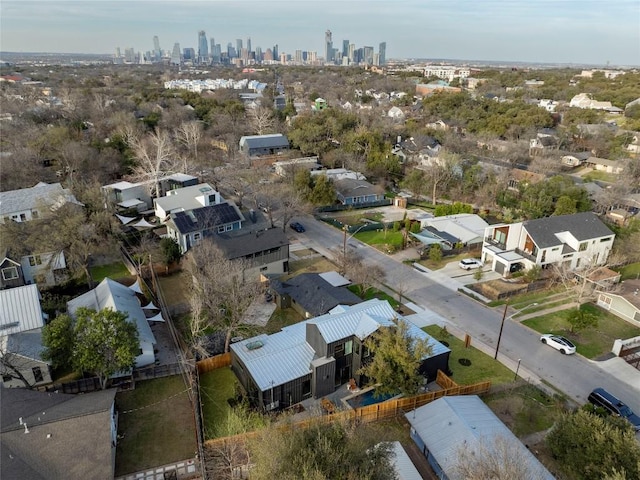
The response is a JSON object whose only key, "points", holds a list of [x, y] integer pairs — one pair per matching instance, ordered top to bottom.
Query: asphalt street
{"points": [[573, 375]]}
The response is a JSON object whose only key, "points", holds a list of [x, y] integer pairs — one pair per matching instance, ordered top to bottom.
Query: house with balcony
{"points": [[139, 195], [573, 241], [314, 357]]}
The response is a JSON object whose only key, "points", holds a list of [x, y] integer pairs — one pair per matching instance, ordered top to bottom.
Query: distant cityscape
{"points": [[242, 54]]}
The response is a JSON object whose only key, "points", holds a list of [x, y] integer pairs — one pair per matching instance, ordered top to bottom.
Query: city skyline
{"points": [[545, 31]]}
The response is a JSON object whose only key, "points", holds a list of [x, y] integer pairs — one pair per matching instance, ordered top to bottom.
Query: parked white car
{"points": [[470, 263], [562, 344]]}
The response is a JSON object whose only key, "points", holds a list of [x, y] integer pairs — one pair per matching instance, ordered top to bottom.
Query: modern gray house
{"points": [[257, 145], [314, 357]]}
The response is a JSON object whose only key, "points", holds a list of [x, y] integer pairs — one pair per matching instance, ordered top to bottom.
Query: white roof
{"points": [[51, 194], [184, 198], [132, 202], [464, 226], [335, 279], [114, 295], [20, 310], [286, 355], [448, 423], [404, 467]]}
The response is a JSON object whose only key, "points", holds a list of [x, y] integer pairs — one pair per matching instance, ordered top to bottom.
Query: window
{"points": [[34, 214], [23, 217], [196, 237], [608, 239], [583, 246], [555, 249], [35, 260], [264, 269], [10, 273], [348, 347], [357, 349], [339, 351], [365, 351], [37, 374], [6, 378]]}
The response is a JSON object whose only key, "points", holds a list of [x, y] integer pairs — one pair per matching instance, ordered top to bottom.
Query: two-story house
{"points": [[256, 145], [138, 195], [186, 198], [31, 203], [574, 241], [314, 357]]}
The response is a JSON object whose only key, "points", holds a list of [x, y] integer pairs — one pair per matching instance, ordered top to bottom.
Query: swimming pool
{"points": [[368, 398]]}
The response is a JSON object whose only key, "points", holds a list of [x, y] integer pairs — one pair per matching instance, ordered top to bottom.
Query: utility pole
{"points": [[504, 317]]}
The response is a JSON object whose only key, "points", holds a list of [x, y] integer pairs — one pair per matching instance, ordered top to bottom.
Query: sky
{"points": [[598, 32]]}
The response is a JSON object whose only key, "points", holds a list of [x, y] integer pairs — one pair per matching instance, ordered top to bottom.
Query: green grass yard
{"points": [[376, 238], [115, 271], [630, 271], [591, 342], [481, 367], [216, 388], [156, 425]]}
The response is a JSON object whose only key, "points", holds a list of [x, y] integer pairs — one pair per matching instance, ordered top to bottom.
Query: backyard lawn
{"points": [[378, 238], [115, 271], [630, 271], [281, 318], [591, 342], [470, 365], [216, 388], [155, 425]]}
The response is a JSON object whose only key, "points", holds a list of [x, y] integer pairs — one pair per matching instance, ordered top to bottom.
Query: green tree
{"points": [[324, 192], [565, 206], [170, 250], [435, 252], [579, 319], [58, 340], [105, 342], [396, 361], [593, 446], [337, 451]]}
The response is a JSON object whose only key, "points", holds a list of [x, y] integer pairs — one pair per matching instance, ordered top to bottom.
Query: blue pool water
{"points": [[368, 398]]}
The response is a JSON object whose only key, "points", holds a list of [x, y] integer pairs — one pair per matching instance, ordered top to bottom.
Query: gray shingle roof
{"points": [[264, 141], [349, 187], [29, 198], [583, 226], [236, 246], [314, 294], [79, 426]]}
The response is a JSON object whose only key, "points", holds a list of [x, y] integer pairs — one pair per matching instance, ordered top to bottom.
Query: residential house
{"points": [[584, 100], [319, 104], [548, 105], [396, 113], [593, 129], [543, 142], [257, 145], [634, 146], [575, 159], [605, 165], [286, 168], [339, 174], [357, 192], [138, 196], [185, 199], [31, 203], [190, 227], [464, 228], [574, 241], [267, 251], [45, 269], [12, 275], [311, 294], [115, 296], [623, 301], [21, 322], [314, 357], [452, 425], [56, 436], [402, 463]]}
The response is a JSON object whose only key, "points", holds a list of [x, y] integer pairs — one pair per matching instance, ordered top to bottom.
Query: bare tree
{"points": [[260, 119], [189, 134], [155, 158], [440, 173], [291, 203], [577, 282], [224, 287], [13, 362], [496, 458]]}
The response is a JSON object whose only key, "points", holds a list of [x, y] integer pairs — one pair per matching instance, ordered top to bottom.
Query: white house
{"points": [[584, 100], [396, 113], [138, 195], [186, 198], [31, 203], [448, 230], [575, 241], [46, 269], [118, 297], [623, 301], [21, 322]]}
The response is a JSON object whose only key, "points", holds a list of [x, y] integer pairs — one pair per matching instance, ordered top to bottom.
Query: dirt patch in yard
{"points": [[495, 289]]}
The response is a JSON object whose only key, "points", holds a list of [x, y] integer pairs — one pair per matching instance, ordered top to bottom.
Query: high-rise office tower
{"points": [[239, 46], [249, 46], [203, 47], [328, 47], [212, 48], [345, 48], [352, 51], [275, 52], [157, 53], [382, 53], [175, 54], [258, 54], [368, 55], [298, 56]]}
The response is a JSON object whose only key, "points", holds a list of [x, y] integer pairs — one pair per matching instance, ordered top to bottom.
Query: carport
{"points": [[505, 262]]}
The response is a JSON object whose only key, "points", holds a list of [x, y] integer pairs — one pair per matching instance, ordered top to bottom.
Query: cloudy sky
{"points": [[550, 31]]}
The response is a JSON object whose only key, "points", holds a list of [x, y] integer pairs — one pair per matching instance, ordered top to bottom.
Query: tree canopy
{"points": [[396, 360]]}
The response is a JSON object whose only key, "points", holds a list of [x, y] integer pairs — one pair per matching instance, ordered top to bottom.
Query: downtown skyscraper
{"points": [[203, 47]]}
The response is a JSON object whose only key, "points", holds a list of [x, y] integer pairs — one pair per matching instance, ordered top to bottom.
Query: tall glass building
{"points": [[203, 47], [382, 53]]}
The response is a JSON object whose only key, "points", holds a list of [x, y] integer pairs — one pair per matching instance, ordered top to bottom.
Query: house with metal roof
{"points": [[257, 145], [186, 198], [27, 204], [449, 230], [575, 241], [311, 295], [118, 297], [21, 322], [314, 357], [443, 428], [57, 436]]}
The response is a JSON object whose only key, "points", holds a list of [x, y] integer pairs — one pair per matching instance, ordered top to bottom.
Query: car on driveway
{"points": [[297, 227], [470, 263], [559, 343]]}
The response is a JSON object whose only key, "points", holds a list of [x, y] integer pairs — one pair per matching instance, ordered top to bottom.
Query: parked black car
{"points": [[297, 227], [601, 398]]}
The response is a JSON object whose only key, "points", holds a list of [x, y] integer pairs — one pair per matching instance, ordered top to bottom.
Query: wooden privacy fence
{"points": [[212, 363], [375, 412]]}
